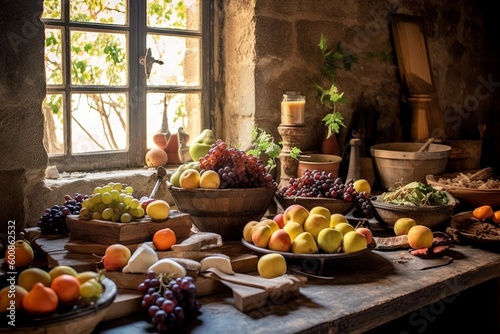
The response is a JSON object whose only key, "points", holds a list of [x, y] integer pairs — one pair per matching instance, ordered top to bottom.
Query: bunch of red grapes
{"points": [[236, 168], [323, 184], [53, 220], [169, 302]]}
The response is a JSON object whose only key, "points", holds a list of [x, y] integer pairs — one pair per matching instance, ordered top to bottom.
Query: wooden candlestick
{"points": [[292, 136]]}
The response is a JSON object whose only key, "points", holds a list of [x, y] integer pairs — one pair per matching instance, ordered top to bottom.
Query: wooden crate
{"points": [[107, 232]]}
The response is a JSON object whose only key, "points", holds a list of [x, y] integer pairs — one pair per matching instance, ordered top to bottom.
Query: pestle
{"points": [[354, 171]]}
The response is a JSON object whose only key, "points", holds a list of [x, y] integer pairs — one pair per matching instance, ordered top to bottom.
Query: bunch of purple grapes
{"points": [[236, 168], [325, 185], [53, 220], [169, 301]]}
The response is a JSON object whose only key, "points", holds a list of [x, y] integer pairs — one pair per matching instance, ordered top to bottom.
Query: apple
{"points": [[200, 145], [156, 157], [190, 179], [209, 179], [361, 185], [145, 201], [158, 210], [322, 211], [296, 213], [278, 218], [337, 218], [271, 223], [314, 223], [403, 225], [344, 227], [293, 229], [247, 230], [261, 233], [367, 233], [420, 236], [330, 239], [280, 241], [353, 241], [304, 243], [21, 255], [116, 257], [271, 265], [12, 294]]}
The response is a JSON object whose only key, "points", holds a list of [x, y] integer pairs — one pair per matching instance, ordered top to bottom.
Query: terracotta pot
{"points": [[330, 145], [320, 162]]}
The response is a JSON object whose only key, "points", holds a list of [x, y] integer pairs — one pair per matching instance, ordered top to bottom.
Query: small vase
{"points": [[330, 145]]}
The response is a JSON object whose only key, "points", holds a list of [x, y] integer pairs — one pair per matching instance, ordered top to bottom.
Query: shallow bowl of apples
{"points": [[223, 211]]}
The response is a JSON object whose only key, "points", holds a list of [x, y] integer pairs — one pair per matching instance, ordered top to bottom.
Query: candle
{"points": [[292, 109]]}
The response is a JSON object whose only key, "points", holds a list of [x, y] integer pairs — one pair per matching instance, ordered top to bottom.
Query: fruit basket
{"points": [[469, 189], [334, 205], [223, 211], [432, 216], [80, 320]]}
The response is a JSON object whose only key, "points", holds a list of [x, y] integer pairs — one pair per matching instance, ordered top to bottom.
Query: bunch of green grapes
{"points": [[114, 202]]}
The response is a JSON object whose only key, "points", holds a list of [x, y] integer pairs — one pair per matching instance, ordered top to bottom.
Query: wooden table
{"points": [[366, 292]]}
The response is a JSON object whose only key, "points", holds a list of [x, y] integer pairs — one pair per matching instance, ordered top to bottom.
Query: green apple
{"points": [[200, 145], [175, 177], [330, 239]]}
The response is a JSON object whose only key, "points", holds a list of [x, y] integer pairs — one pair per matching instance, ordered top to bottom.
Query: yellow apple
{"points": [[190, 179], [209, 179], [362, 185], [158, 210], [322, 211], [296, 213], [336, 218], [271, 223], [314, 223], [403, 225], [344, 227], [293, 229], [247, 230], [261, 233], [420, 236], [330, 239], [280, 241], [353, 242], [304, 243], [271, 265], [29, 277]]}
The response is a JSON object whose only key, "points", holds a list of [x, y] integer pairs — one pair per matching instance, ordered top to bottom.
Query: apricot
{"points": [[156, 157], [420, 236], [280, 241], [353, 241], [116, 257], [272, 265]]}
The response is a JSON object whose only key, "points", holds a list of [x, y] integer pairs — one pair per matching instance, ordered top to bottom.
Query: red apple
{"points": [[145, 202], [279, 220]]}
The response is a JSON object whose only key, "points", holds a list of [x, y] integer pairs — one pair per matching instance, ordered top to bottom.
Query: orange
{"points": [[483, 212], [496, 217], [164, 239], [67, 288], [40, 300]]}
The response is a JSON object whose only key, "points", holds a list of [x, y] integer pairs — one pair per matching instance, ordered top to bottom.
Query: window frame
{"points": [[133, 156]]}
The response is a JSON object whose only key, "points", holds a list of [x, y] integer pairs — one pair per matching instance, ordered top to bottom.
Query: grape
{"points": [[53, 220], [143, 288], [153, 309]]}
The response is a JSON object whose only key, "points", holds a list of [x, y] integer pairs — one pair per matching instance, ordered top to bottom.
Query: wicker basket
{"points": [[223, 211]]}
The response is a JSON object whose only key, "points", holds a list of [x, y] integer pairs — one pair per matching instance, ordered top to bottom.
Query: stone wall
{"points": [[263, 49]]}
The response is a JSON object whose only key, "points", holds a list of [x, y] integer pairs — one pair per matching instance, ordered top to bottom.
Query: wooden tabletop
{"points": [[366, 291]]}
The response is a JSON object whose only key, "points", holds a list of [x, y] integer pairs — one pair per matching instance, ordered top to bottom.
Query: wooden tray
{"points": [[464, 226], [107, 232]]}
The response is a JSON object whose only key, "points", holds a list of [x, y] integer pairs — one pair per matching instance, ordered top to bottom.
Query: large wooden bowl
{"points": [[471, 197], [334, 205], [223, 211], [432, 216]]}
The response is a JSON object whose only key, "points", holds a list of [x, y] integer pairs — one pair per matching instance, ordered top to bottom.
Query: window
{"points": [[113, 68]]}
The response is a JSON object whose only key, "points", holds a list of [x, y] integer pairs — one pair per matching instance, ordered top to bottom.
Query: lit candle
{"points": [[292, 109]]}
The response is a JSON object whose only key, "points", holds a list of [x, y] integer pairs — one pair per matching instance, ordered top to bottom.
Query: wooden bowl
{"points": [[472, 197], [334, 205], [223, 211], [432, 216], [80, 320]]}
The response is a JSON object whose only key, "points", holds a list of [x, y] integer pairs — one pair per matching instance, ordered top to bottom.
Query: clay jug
{"points": [[330, 145]]}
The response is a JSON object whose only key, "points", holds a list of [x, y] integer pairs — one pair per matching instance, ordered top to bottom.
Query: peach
{"points": [[156, 157], [190, 179], [210, 179], [322, 211], [296, 213], [337, 218], [279, 219], [271, 223], [314, 223], [403, 225], [344, 227], [293, 229], [247, 230], [261, 233], [367, 233], [420, 236], [280, 241], [353, 241], [116, 257], [271, 265]]}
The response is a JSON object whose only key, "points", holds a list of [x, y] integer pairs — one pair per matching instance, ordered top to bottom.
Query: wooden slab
{"points": [[108, 232], [81, 246], [126, 302]]}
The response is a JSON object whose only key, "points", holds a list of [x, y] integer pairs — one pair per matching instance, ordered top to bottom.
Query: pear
{"points": [[200, 145], [304, 243]]}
